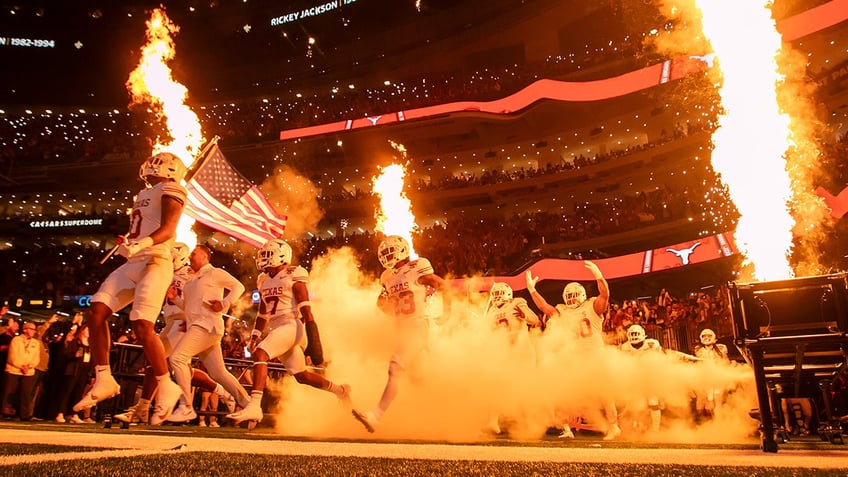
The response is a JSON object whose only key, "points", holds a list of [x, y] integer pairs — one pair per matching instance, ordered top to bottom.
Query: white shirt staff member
{"points": [[204, 303]]}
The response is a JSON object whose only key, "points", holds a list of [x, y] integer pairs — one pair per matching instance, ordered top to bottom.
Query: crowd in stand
{"points": [[86, 136], [499, 245], [47, 366]]}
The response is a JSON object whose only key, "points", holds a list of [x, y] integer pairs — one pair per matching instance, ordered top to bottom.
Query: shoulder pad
{"points": [[175, 190], [422, 266], [298, 273], [518, 301]]}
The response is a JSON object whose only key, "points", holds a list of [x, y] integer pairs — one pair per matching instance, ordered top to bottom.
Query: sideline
{"points": [[130, 444]]}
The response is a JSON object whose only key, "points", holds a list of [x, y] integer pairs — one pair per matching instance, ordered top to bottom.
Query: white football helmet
{"points": [[164, 165], [392, 250], [274, 253], [179, 255], [501, 294], [573, 295], [636, 335], [708, 337]]}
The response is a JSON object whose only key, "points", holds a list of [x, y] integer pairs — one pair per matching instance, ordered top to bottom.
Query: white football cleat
{"points": [[103, 389], [167, 396], [229, 400], [251, 412], [183, 413], [134, 415], [367, 419], [566, 433], [613, 433]]}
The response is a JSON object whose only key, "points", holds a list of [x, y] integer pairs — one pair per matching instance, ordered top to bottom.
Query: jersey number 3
{"points": [[403, 303]]}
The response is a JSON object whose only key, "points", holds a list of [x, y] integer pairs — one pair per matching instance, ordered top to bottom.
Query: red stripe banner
{"points": [[792, 28], [639, 263]]}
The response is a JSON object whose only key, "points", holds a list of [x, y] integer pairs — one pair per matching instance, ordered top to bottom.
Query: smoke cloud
{"points": [[295, 196], [471, 372]]}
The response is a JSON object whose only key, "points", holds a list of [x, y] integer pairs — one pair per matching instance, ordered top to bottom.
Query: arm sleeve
{"points": [[263, 311]]}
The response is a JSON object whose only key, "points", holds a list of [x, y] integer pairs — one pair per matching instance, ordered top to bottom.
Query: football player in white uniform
{"points": [[142, 281], [404, 293], [283, 308], [506, 312], [512, 315], [584, 318], [170, 335], [637, 341], [711, 351]]}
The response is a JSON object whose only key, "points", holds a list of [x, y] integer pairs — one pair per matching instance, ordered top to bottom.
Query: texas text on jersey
{"points": [[406, 297], [277, 300]]}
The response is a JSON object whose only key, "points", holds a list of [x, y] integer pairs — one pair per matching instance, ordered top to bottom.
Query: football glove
{"points": [[128, 249]]}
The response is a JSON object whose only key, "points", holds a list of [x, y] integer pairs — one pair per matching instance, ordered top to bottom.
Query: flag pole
{"points": [[201, 158], [198, 161]]}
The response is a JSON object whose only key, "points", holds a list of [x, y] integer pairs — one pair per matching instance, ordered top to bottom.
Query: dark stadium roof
{"points": [[81, 51]]}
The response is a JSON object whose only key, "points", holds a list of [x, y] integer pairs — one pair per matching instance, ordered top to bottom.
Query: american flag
{"points": [[223, 199]]}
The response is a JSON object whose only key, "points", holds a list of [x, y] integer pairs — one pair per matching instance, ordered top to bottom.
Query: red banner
{"points": [[792, 28], [648, 261]]}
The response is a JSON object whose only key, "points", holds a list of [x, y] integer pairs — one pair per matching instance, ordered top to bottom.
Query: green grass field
{"points": [[68, 450], [234, 465]]}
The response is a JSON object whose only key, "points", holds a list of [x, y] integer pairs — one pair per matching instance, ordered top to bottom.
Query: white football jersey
{"points": [[146, 215], [407, 297], [276, 298], [171, 310], [508, 316], [583, 322], [649, 345], [718, 352]]}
